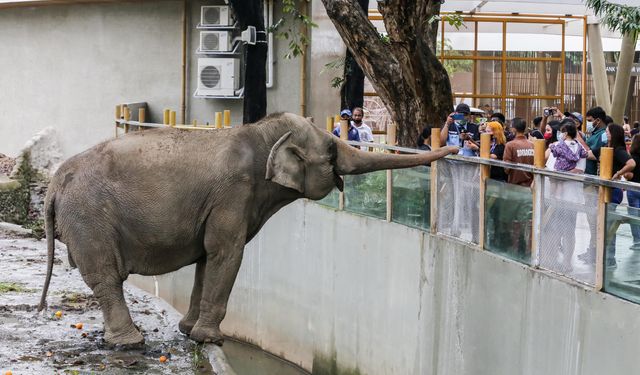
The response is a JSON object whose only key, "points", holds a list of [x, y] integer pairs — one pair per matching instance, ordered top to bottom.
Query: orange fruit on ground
{"points": [[58, 314], [79, 325], [163, 359], [8, 372]]}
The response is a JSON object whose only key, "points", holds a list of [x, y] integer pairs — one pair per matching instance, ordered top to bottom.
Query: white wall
{"points": [[319, 287]]}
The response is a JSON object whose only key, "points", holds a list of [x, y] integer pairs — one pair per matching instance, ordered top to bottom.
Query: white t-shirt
{"points": [[366, 135]]}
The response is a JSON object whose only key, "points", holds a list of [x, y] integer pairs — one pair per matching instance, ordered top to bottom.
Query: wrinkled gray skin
{"points": [[152, 202]]}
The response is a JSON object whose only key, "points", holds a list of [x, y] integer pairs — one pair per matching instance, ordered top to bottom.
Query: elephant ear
{"points": [[285, 165]]}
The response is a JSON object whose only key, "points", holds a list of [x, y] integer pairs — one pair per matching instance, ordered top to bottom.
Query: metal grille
{"points": [[211, 15], [211, 42], [210, 76], [458, 199], [568, 229]]}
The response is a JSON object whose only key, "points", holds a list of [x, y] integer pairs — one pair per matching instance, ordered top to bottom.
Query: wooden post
{"points": [[118, 114], [142, 115], [165, 116], [127, 118], [172, 118], [227, 118], [337, 119], [218, 120], [194, 123], [330, 124], [344, 130], [391, 134], [435, 144], [485, 172], [537, 190], [604, 197]]}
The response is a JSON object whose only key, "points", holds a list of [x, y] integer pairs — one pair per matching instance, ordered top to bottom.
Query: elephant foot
{"points": [[186, 325], [200, 333], [129, 338]]}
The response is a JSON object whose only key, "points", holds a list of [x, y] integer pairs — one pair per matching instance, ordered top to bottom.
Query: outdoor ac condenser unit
{"points": [[215, 15], [215, 41], [218, 76]]}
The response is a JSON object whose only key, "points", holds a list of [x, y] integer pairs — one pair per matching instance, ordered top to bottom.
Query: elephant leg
{"points": [[224, 244], [190, 319], [118, 326]]}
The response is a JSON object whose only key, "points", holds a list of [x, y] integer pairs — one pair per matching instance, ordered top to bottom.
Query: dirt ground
{"points": [[39, 343]]}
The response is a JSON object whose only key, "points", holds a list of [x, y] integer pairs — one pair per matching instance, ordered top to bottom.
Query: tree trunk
{"points": [[250, 13], [598, 71], [405, 72], [623, 76], [632, 87], [352, 91]]}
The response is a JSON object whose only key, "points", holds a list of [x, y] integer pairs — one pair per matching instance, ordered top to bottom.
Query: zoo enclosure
{"points": [[546, 226]]}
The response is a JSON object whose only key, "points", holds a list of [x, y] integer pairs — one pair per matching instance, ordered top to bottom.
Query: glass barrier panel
{"points": [[411, 192], [366, 194], [332, 199], [458, 199], [508, 220], [568, 229], [622, 247]]}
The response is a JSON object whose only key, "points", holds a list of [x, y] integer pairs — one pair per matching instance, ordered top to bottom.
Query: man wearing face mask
{"points": [[459, 131], [596, 138]]}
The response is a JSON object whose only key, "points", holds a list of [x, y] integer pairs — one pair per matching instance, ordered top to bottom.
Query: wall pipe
{"points": [[303, 65], [183, 94]]}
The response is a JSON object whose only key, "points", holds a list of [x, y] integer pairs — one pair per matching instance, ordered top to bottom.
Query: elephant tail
{"points": [[49, 225]]}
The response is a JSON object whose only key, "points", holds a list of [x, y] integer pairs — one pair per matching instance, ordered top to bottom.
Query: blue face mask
{"points": [[605, 139]]}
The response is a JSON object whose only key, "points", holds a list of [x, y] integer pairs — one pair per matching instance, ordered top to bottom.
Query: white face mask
{"points": [[590, 127], [562, 136]]}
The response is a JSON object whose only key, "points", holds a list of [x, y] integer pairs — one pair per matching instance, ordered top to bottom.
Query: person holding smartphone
{"points": [[459, 131]]}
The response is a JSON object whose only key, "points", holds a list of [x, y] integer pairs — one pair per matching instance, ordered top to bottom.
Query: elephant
{"points": [[154, 201]]}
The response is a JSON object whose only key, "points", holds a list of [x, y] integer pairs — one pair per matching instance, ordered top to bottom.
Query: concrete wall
{"points": [[67, 66], [332, 290]]}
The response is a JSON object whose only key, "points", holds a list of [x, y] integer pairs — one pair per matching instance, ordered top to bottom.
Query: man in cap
{"points": [[459, 131], [353, 134]]}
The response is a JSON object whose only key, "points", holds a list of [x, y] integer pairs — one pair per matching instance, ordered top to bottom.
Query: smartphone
{"points": [[548, 112], [458, 117]]}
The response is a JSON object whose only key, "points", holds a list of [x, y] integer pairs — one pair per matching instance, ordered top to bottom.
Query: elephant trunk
{"points": [[351, 160]]}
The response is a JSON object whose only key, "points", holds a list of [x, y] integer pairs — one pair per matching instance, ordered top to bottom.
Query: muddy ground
{"points": [[38, 343]]}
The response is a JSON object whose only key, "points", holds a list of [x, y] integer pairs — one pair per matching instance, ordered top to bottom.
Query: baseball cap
{"points": [[463, 108], [345, 112], [575, 115]]}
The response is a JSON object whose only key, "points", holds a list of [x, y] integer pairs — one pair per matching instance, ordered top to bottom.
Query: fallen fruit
{"points": [[58, 314], [79, 325], [163, 359], [8, 372]]}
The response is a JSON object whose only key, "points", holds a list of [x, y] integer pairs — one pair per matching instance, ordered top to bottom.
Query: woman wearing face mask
{"points": [[550, 132], [498, 140], [565, 155], [623, 165]]}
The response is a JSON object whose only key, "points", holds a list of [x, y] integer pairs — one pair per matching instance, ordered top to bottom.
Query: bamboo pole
{"points": [[117, 113], [142, 115], [165, 116], [127, 118], [172, 118], [227, 118], [336, 119], [218, 120], [194, 123], [330, 124], [344, 130], [435, 144], [538, 153], [485, 172], [604, 197]]}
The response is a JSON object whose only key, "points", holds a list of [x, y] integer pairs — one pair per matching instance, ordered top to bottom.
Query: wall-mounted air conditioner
{"points": [[215, 15], [215, 41], [218, 76]]}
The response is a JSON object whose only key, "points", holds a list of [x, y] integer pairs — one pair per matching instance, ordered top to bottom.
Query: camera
{"points": [[548, 112]]}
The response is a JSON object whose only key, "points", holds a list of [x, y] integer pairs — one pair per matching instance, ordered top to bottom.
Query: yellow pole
{"points": [[118, 110], [142, 114], [165, 116], [127, 117], [227, 117], [172, 118], [336, 119], [218, 120], [194, 123], [330, 124], [344, 130], [538, 153], [604, 197]]}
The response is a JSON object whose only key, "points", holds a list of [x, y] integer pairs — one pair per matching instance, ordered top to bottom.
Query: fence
{"points": [[566, 224]]}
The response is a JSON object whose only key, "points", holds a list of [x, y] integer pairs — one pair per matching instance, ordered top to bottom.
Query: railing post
{"points": [[118, 114], [142, 116], [165, 116], [127, 118], [227, 118], [218, 120], [194, 123], [330, 124], [391, 141], [435, 144], [485, 171], [537, 190], [604, 197]]}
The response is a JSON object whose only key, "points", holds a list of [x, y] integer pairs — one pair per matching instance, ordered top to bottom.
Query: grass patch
{"points": [[13, 287]]}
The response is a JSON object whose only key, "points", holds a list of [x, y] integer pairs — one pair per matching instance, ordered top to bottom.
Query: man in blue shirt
{"points": [[459, 131], [353, 134]]}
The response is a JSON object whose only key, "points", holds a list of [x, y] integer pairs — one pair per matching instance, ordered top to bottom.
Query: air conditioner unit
{"points": [[215, 15], [215, 41], [218, 77]]}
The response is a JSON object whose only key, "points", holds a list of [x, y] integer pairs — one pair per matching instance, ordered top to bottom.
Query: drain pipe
{"points": [[303, 65], [183, 99]]}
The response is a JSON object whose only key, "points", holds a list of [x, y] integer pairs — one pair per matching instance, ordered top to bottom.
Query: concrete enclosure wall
{"points": [[331, 290]]}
